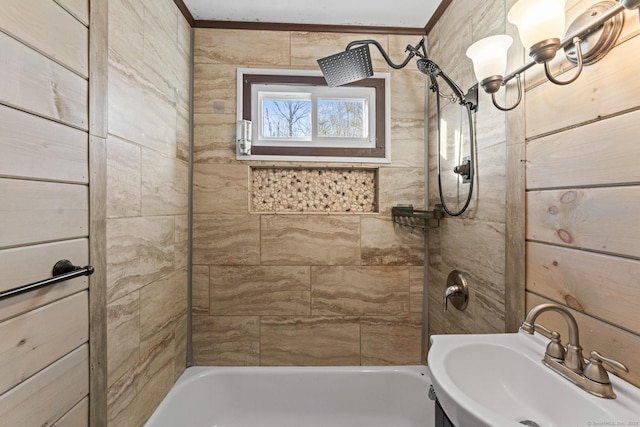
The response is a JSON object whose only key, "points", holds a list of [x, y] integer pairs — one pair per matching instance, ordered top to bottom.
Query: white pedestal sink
{"points": [[498, 380]]}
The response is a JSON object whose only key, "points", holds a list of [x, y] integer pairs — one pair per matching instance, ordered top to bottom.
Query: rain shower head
{"points": [[355, 62], [348, 66]]}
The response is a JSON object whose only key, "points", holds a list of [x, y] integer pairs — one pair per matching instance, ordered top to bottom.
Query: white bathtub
{"points": [[298, 397]]}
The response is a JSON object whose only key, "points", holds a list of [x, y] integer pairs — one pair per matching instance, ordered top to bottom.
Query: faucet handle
{"points": [[536, 327], [548, 333], [555, 348], [596, 372]]}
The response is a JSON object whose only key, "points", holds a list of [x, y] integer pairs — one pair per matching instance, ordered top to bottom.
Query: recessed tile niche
{"points": [[314, 190]]}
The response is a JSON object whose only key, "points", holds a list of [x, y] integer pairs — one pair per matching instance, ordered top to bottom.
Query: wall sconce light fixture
{"points": [[540, 25], [489, 57]]}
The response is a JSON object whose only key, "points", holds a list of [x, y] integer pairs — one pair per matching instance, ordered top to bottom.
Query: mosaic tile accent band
{"points": [[314, 190]]}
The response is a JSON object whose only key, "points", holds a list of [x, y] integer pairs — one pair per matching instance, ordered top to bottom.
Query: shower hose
{"points": [[434, 87]]}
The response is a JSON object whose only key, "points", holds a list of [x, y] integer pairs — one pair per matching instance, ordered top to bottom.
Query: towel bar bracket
{"points": [[65, 266]]}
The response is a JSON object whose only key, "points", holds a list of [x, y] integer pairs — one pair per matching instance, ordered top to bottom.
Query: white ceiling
{"points": [[384, 13]]}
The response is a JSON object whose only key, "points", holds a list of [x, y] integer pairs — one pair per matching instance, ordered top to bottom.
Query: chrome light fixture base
{"points": [[631, 4], [596, 44], [545, 50], [491, 84]]}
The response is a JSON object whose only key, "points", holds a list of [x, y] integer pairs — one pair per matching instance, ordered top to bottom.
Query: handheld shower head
{"points": [[428, 67]]}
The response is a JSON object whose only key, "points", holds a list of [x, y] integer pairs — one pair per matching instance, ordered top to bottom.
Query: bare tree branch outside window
{"points": [[336, 118], [341, 118], [287, 119]]}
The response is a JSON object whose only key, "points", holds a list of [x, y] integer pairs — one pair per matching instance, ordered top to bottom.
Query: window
{"points": [[284, 116], [296, 116], [318, 117], [343, 118]]}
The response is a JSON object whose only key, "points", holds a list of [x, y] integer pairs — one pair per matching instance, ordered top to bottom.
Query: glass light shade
{"points": [[538, 20], [489, 56]]}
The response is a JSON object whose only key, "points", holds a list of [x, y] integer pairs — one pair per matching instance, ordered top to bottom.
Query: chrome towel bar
{"points": [[62, 270]]}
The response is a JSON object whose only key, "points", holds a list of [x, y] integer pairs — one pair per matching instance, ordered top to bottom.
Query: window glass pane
{"points": [[346, 118], [286, 119]]}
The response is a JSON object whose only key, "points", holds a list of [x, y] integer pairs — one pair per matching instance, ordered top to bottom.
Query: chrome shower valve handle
{"points": [[457, 291]]}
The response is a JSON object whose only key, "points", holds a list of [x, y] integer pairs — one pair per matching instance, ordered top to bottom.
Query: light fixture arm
{"points": [[578, 42], [495, 103]]}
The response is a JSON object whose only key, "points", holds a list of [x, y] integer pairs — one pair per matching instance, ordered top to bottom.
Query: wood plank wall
{"points": [[583, 198], [44, 215]]}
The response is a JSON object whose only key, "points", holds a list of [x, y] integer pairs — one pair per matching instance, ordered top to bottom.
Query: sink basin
{"points": [[497, 380]]}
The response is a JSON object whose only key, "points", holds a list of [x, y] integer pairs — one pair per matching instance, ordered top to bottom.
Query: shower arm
{"points": [[413, 51], [428, 67]]}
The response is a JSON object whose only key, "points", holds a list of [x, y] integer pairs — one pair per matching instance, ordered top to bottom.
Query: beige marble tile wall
{"points": [[147, 180], [473, 243], [301, 289]]}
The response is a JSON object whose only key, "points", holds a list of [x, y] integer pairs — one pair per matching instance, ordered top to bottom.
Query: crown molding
{"points": [[444, 4], [185, 12], [277, 26]]}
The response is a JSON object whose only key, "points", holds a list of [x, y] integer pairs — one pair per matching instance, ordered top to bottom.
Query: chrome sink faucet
{"points": [[569, 362]]}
